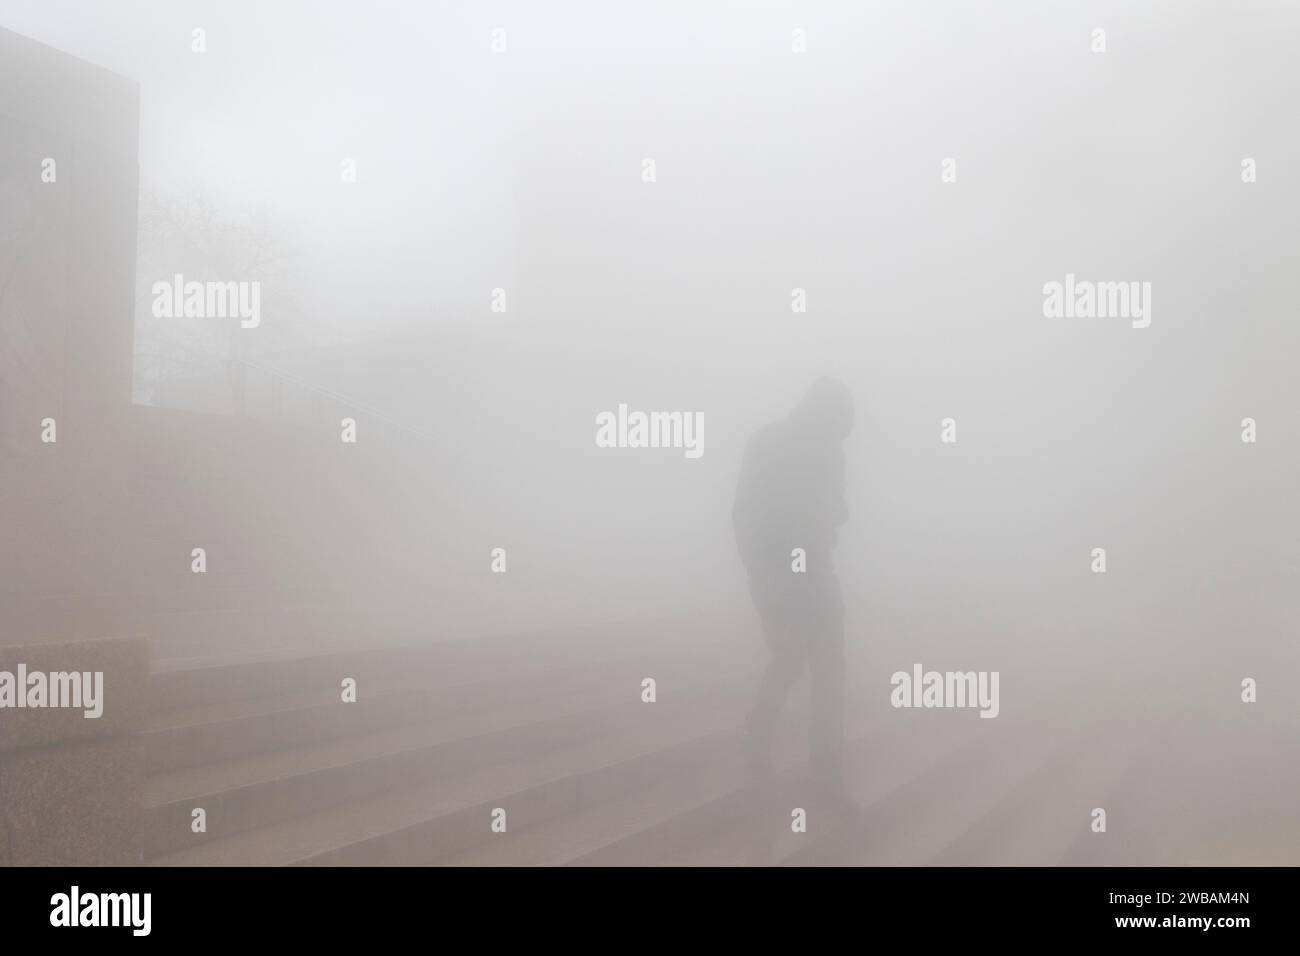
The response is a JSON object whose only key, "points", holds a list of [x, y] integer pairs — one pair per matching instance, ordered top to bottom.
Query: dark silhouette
{"points": [[791, 496]]}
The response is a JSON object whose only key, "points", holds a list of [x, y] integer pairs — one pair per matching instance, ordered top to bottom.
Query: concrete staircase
{"points": [[551, 728], [440, 734]]}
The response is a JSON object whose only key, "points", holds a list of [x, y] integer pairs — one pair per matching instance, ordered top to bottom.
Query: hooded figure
{"points": [[789, 502]]}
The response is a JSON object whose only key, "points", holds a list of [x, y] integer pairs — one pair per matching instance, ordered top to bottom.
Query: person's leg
{"points": [[782, 671], [826, 686], [826, 723]]}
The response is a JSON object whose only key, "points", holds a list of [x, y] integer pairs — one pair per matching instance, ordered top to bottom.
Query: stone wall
{"points": [[68, 207], [70, 785]]}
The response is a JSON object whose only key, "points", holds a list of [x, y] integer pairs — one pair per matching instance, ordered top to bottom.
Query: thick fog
{"points": [[503, 147], [514, 161], [1046, 249]]}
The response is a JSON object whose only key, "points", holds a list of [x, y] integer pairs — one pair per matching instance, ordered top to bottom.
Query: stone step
{"points": [[178, 620], [222, 625], [182, 685], [228, 730], [915, 783], [1214, 789], [256, 791], [1039, 819], [910, 820], [430, 822], [644, 824], [590, 828], [755, 829]]}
